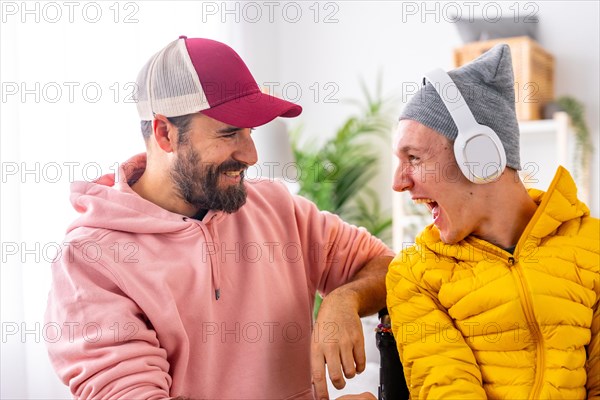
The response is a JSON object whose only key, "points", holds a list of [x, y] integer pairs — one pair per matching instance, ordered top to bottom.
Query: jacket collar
{"points": [[555, 206]]}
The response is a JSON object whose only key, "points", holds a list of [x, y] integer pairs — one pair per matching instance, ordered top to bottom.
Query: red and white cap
{"points": [[203, 75]]}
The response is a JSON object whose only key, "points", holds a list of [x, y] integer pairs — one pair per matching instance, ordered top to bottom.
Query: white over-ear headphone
{"points": [[477, 148]]}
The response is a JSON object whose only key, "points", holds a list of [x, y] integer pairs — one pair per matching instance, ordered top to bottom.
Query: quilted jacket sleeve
{"points": [[590, 228], [437, 362], [593, 362]]}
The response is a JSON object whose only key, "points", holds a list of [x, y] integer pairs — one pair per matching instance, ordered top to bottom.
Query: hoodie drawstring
{"points": [[211, 234]]}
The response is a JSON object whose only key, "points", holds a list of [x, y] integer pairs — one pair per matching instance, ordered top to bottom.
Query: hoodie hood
{"points": [[110, 203]]}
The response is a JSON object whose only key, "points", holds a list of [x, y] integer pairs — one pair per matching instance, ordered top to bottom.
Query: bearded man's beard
{"points": [[198, 183]]}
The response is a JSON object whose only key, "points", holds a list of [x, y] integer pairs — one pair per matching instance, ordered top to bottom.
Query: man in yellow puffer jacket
{"points": [[499, 296]]}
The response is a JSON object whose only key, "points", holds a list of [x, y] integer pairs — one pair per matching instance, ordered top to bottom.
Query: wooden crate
{"points": [[533, 67]]}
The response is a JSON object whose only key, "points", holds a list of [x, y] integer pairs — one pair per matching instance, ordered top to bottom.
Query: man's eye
{"points": [[413, 159]]}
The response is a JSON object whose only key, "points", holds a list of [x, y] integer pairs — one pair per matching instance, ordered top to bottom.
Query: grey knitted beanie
{"points": [[487, 85]]}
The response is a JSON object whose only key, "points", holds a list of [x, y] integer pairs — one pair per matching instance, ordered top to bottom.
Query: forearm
{"points": [[366, 291], [338, 340]]}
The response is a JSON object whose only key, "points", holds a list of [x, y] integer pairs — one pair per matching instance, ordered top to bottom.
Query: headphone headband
{"points": [[457, 106], [478, 151]]}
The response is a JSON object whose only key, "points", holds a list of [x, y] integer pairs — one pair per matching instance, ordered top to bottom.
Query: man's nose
{"points": [[246, 151], [403, 178]]}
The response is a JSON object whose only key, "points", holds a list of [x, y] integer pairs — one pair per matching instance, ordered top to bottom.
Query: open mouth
{"points": [[232, 170], [233, 174], [432, 205]]}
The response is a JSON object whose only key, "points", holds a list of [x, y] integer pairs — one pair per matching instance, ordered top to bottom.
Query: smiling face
{"points": [[209, 164], [427, 169]]}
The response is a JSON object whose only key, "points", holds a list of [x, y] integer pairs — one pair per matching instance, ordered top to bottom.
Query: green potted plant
{"points": [[583, 144], [336, 174]]}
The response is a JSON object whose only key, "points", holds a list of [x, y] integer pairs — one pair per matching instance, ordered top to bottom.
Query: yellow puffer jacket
{"points": [[474, 321]]}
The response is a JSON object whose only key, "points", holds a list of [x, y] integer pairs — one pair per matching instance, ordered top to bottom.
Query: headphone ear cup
{"points": [[480, 155]]}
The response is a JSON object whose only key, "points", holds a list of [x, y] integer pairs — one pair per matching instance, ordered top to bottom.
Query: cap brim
{"points": [[253, 110]]}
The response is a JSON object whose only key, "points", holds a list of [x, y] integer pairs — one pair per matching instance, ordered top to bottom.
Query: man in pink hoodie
{"points": [[180, 279]]}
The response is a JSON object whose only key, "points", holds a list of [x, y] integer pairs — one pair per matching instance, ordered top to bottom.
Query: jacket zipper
{"points": [[533, 326]]}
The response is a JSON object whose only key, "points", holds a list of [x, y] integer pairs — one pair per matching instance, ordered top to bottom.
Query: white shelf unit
{"points": [[545, 144]]}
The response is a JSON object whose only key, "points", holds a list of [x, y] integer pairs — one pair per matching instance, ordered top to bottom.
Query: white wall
{"points": [[571, 32], [367, 37]]}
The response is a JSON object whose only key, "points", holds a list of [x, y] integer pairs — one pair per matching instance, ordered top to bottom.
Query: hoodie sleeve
{"points": [[335, 250], [103, 348], [437, 362]]}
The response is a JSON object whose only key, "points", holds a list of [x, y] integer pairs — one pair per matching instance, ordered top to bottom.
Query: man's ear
{"points": [[164, 133]]}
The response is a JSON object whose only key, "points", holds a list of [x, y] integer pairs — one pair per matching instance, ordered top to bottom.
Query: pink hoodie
{"points": [[133, 298]]}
